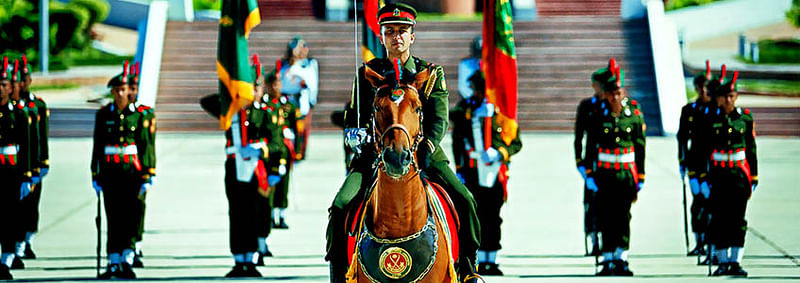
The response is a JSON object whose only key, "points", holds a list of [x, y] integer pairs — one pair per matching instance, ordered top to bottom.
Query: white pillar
{"points": [[632, 9], [181, 10], [336, 10], [525, 10], [153, 49]]}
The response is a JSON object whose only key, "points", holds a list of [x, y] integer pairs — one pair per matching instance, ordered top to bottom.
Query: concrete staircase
{"points": [[286, 8], [549, 8], [555, 56]]}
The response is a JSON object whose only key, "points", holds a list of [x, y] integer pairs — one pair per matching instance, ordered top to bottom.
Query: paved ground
{"points": [[186, 237]]}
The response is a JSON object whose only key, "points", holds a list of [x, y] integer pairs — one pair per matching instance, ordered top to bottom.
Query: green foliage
{"points": [[677, 4], [215, 5], [98, 9], [793, 15], [779, 51], [66, 86], [771, 86]]}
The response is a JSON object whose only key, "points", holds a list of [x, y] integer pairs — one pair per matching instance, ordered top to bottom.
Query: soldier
{"points": [[397, 28], [468, 66], [300, 81], [588, 109], [150, 115], [691, 116], [286, 122], [468, 124], [616, 152], [40, 158], [122, 166], [732, 166], [16, 173], [246, 208]]}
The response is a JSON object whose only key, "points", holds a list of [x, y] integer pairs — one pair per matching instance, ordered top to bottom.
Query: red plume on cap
{"points": [[257, 63], [24, 64], [612, 64], [16, 68], [136, 69], [278, 69], [708, 70], [4, 71], [125, 72], [616, 74], [722, 76], [733, 81]]}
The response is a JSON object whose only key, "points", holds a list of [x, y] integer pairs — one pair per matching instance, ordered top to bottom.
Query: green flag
{"points": [[233, 68]]}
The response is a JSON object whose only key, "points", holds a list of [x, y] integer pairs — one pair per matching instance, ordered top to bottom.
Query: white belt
{"points": [[10, 150], [126, 150], [234, 150], [725, 157], [616, 158]]}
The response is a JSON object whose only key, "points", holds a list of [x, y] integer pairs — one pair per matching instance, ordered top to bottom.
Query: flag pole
{"points": [[355, 44]]}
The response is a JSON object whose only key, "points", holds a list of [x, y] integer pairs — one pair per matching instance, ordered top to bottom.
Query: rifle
{"points": [[98, 221]]}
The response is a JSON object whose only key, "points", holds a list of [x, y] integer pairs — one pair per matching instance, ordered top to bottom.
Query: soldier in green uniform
{"points": [[397, 28], [587, 110], [467, 114], [149, 115], [688, 145], [616, 153], [40, 158], [282, 161], [732, 166], [122, 167], [16, 168], [245, 195]]}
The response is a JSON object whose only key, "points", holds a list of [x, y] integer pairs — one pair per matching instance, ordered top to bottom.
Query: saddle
{"points": [[395, 251]]}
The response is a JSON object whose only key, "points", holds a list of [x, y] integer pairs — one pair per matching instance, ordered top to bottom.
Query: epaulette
{"points": [[31, 104], [747, 111]]}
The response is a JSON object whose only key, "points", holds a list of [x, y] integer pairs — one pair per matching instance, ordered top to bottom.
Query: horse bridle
{"points": [[413, 145]]}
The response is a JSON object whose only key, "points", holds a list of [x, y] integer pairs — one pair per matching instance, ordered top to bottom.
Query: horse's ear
{"points": [[373, 77], [421, 78]]}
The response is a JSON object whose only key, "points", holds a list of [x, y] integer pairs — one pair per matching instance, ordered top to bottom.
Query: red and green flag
{"points": [[371, 37], [499, 62], [233, 67]]}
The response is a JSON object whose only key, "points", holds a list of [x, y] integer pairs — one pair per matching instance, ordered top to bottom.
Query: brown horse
{"points": [[401, 239]]}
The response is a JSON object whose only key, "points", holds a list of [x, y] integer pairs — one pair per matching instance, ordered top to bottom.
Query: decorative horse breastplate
{"points": [[406, 259]]}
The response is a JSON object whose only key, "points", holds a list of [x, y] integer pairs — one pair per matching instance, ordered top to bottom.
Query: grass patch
{"points": [[678, 4], [440, 17], [94, 57], [65, 86], [791, 88]]}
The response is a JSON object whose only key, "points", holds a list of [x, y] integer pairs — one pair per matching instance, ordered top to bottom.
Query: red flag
{"points": [[371, 36], [499, 62]]}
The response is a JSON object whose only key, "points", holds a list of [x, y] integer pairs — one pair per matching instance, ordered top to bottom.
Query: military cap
{"points": [[397, 13], [256, 69], [16, 72], [275, 74], [602, 74], [5, 75], [701, 78], [121, 79], [613, 79], [721, 86]]}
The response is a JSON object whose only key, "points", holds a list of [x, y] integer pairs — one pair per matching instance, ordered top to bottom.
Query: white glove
{"points": [[485, 110], [287, 133], [354, 137], [248, 152], [490, 155], [282, 169], [582, 171], [43, 172], [36, 179], [590, 185], [694, 186], [97, 187], [144, 188], [705, 189], [24, 190]]}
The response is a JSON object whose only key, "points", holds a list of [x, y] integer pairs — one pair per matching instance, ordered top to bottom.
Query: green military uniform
{"points": [[587, 109], [37, 111], [149, 115], [691, 118], [283, 120], [505, 140], [615, 154], [123, 163], [732, 166], [16, 169]]}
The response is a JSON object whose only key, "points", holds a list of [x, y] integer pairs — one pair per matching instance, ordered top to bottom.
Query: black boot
{"points": [[281, 224], [698, 250], [29, 254], [137, 261], [17, 263], [465, 267], [621, 268], [490, 269], [607, 269], [735, 269], [111, 270], [243, 270], [721, 270], [125, 271], [5, 273]]}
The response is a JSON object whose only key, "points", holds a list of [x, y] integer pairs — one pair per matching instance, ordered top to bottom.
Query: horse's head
{"points": [[398, 115]]}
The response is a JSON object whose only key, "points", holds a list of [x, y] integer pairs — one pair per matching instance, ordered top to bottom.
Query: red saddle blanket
{"points": [[441, 204]]}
